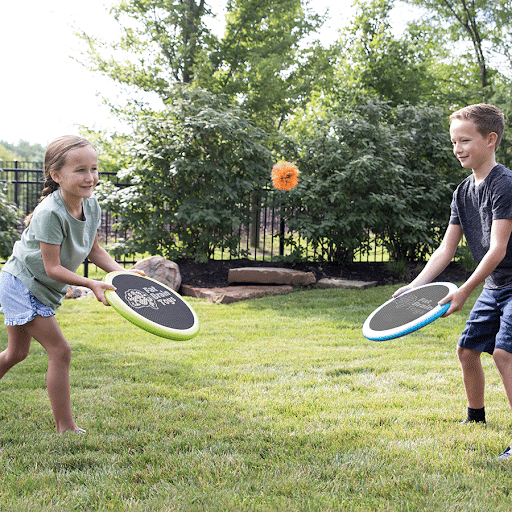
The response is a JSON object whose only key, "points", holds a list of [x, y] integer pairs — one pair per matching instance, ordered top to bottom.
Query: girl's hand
{"points": [[137, 271], [98, 288]]}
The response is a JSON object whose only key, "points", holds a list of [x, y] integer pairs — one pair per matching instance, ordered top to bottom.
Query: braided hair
{"points": [[55, 159]]}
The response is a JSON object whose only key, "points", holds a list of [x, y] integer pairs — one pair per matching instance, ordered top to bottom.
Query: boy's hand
{"points": [[402, 290], [457, 299]]}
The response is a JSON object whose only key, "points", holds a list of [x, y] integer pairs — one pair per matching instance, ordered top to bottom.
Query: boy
{"points": [[481, 210]]}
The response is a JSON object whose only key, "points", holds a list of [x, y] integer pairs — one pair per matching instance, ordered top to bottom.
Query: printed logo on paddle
{"points": [[148, 297], [413, 304]]}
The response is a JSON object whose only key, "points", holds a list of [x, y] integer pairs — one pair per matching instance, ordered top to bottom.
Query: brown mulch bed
{"points": [[215, 272]]}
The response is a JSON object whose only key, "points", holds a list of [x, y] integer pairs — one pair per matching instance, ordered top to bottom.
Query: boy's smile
{"points": [[472, 149]]}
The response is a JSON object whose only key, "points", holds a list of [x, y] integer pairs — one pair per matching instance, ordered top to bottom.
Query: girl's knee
{"points": [[65, 353], [61, 354], [13, 357]]}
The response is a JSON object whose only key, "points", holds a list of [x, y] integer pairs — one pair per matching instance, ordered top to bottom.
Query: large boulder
{"points": [[164, 271]]}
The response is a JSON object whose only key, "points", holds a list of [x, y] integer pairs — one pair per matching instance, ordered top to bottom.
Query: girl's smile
{"points": [[78, 177]]}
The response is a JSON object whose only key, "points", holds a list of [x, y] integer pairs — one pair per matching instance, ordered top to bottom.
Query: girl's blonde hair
{"points": [[54, 160]]}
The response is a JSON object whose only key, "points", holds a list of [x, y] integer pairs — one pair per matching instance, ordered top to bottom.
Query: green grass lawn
{"points": [[279, 404]]}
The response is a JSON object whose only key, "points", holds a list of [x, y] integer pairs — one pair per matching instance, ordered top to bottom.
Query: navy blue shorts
{"points": [[489, 325]]}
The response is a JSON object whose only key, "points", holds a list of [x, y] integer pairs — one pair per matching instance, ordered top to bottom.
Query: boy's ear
{"points": [[492, 138]]}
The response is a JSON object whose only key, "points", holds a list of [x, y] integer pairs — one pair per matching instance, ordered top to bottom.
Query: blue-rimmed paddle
{"points": [[408, 312]]}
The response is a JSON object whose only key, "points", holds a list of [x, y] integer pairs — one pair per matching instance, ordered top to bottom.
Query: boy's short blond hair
{"points": [[487, 119]]}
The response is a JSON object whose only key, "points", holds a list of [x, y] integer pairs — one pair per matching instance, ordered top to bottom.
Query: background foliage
{"points": [[364, 117], [375, 170], [8, 222]]}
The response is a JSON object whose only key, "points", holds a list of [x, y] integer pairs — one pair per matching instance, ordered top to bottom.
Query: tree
{"points": [[485, 25], [162, 43], [261, 60], [373, 61], [22, 151], [7, 155], [375, 169], [8, 223]]}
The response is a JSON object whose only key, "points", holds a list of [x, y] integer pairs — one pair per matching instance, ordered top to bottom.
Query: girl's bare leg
{"points": [[47, 332], [18, 346]]}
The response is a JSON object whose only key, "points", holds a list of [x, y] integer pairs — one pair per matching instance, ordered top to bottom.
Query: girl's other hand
{"points": [[137, 271], [99, 288]]}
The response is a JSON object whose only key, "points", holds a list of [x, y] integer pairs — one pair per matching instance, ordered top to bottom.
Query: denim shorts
{"points": [[18, 303], [489, 325]]}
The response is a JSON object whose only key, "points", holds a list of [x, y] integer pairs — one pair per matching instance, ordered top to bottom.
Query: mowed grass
{"points": [[279, 404]]}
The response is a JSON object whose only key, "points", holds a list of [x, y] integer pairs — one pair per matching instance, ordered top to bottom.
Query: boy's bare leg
{"points": [[503, 360], [473, 376]]}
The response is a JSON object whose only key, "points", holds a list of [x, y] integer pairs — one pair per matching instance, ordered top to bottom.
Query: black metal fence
{"points": [[23, 186], [260, 238]]}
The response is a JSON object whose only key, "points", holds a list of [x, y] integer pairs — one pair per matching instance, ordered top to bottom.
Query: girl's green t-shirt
{"points": [[53, 224]]}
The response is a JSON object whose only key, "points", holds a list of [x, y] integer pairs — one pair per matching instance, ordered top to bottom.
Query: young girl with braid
{"points": [[60, 234]]}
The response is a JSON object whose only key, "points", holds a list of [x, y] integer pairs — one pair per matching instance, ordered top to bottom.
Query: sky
{"points": [[45, 92]]}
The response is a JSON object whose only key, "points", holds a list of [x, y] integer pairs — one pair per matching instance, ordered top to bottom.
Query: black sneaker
{"points": [[506, 454]]}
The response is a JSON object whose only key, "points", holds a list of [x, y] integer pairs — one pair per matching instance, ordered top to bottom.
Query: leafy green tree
{"points": [[485, 25], [162, 43], [262, 62], [375, 62], [23, 151], [7, 155], [190, 168]]}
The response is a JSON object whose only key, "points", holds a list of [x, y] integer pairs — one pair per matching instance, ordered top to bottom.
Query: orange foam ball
{"points": [[285, 175]]}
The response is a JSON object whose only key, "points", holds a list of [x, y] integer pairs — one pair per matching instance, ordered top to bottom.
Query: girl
{"points": [[60, 234]]}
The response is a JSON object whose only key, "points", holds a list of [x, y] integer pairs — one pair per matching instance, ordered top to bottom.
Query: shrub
{"points": [[191, 165], [376, 170], [8, 223]]}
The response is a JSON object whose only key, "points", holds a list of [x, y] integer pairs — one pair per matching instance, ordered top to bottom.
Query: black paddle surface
{"points": [[151, 305]]}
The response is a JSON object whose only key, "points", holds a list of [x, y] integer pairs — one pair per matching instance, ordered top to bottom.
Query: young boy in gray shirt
{"points": [[481, 211]]}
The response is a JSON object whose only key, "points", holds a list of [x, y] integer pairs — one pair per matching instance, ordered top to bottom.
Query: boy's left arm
{"points": [[500, 235]]}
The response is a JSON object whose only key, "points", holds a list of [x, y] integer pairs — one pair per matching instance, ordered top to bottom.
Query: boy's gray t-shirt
{"points": [[474, 208], [53, 224]]}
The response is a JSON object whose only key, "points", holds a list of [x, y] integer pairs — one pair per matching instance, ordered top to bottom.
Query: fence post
{"points": [[16, 180], [281, 235]]}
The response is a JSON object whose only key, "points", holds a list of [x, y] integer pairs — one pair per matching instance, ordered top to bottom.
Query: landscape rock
{"points": [[164, 271], [271, 275], [344, 283], [78, 292], [232, 294]]}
